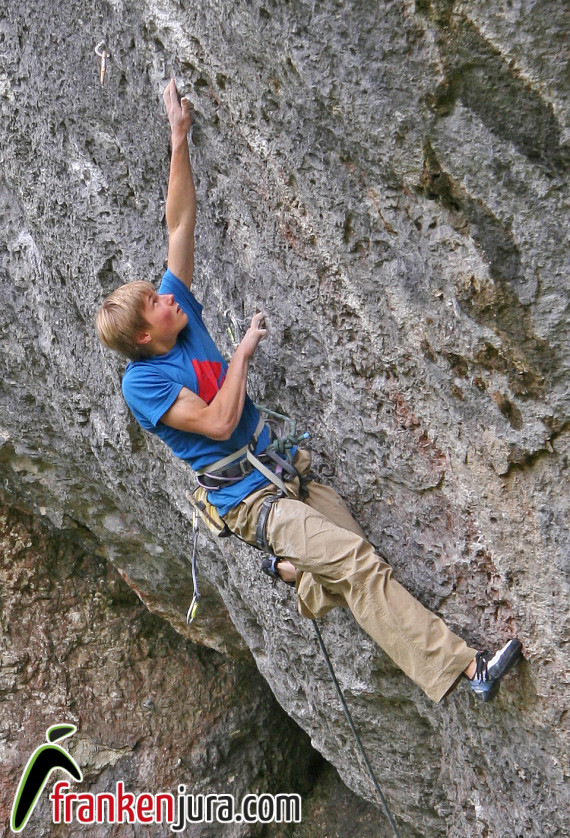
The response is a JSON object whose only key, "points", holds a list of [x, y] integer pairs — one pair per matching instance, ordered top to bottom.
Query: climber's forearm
{"points": [[181, 197]]}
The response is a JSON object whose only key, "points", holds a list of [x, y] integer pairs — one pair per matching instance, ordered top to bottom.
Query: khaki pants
{"points": [[337, 566]]}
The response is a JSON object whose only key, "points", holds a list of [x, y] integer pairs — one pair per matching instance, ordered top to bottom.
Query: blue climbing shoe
{"points": [[491, 666]]}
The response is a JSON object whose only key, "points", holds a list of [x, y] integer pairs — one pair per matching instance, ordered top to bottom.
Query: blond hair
{"points": [[120, 320]]}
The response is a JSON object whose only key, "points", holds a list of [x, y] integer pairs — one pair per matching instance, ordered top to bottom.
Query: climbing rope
{"points": [[348, 715]]}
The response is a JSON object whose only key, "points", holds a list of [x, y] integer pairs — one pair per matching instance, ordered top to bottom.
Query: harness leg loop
{"points": [[261, 529]]}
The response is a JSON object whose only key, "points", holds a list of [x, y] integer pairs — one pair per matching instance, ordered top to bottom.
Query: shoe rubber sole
{"points": [[488, 695]]}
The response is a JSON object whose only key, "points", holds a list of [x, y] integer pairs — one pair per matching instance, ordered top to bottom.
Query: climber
{"points": [[179, 387]]}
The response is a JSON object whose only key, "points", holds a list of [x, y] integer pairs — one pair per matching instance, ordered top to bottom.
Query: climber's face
{"points": [[165, 319]]}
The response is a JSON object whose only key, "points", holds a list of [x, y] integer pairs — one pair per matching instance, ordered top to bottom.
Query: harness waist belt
{"points": [[237, 455], [226, 471], [230, 474], [220, 478]]}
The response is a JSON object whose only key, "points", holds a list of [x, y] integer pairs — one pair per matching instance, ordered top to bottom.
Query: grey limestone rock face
{"points": [[389, 182]]}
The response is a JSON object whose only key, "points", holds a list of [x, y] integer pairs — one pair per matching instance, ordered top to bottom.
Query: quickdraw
{"points": [[193, 609]]}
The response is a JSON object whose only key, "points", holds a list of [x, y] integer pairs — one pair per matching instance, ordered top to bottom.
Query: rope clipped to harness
{"points": [[280, 453], [234, 467]]}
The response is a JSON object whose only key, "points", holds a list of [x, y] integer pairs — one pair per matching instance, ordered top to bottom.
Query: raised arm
{"points": [[181, 197], [219, 419]]}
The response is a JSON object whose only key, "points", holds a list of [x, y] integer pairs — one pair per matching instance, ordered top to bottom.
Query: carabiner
{"points": [[232, 327], [193, 609]]}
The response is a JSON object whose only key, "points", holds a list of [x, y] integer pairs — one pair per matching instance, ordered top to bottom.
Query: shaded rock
{"points": [[152, 710]]}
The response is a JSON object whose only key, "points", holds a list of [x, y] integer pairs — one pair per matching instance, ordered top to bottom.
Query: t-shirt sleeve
{"points": [[170, 284], [148, 394]]}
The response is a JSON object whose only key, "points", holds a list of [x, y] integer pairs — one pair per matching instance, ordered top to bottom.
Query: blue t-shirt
{"points": [[151, 386]]}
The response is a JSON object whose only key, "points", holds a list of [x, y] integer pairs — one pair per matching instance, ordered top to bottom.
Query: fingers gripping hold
{"points": [[177, 108]]}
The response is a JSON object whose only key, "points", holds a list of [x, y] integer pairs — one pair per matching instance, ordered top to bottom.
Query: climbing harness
{"points": [[234, 467], [198, 499], [261, 528]]}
